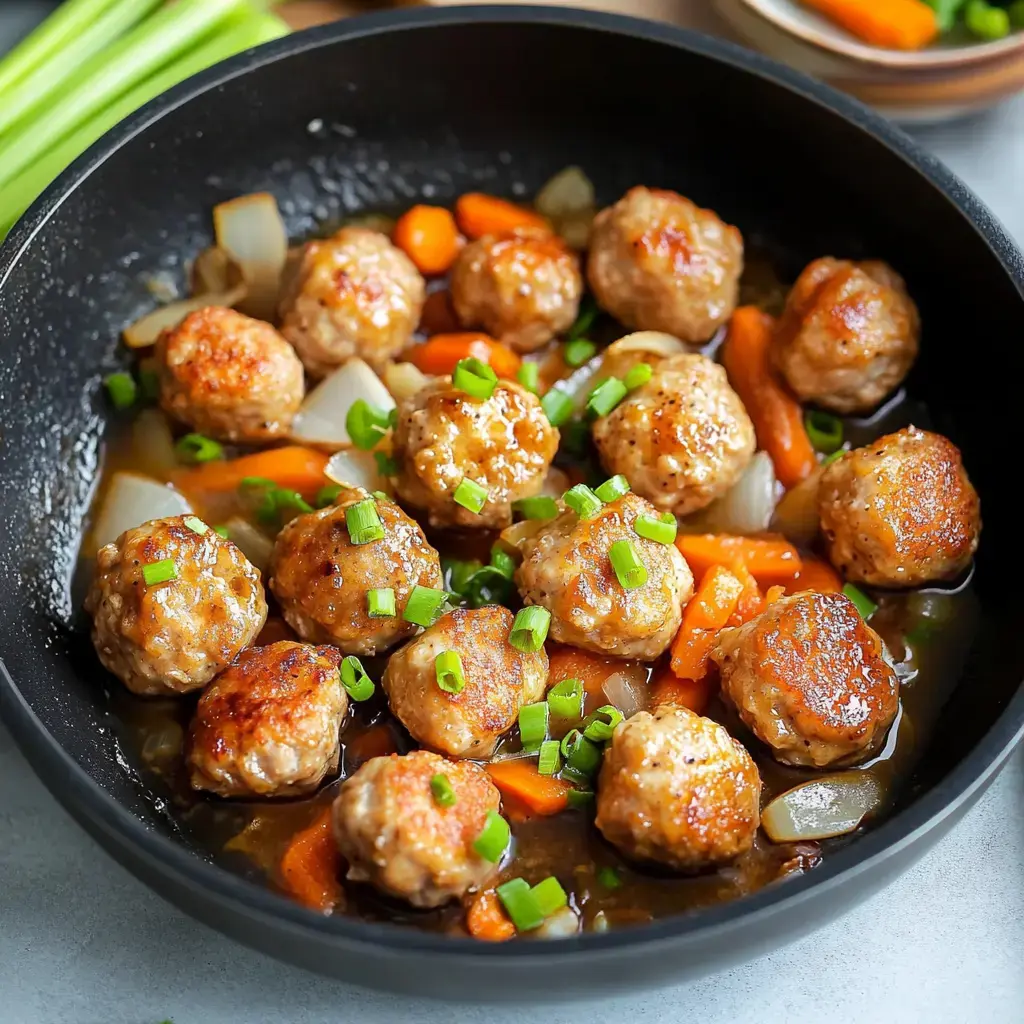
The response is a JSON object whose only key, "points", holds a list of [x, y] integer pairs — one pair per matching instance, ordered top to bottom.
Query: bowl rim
{"points": [[76, 789]]}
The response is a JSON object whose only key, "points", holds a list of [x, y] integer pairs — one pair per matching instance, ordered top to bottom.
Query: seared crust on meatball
{"points": [[658, 262], [522, 288], [354, 294], [848, 336], [229, 376], [682, 439], [504, 443], [900, 511], [566, 568], [321, 579], [173, 637], [810, 679], [499, 681], [268, 725], [678, 790], [395, 835]]}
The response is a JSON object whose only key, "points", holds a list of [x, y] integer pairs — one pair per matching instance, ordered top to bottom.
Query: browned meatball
{"points": [[658, 262], [523, 289], [354, 294], [848, 335], [229, 376], [682, 439], [504, 443], [900, 511], [566, 569], [321, 579], [173, 637], [809, 677], [499, 681], [269, 724], [678, 790], [395, 835]]}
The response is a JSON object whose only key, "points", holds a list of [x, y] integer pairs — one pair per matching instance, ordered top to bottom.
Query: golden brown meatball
{"points": [[660, 263], [523, 289], [354, 294], [848, 335], [229, 376], [682, 439], [504, 443], [900, 511], [566, 569], [321, 579], [173, 637], [809, 678], [499, 681], [269, 724], [678, 790], [395, 835]]}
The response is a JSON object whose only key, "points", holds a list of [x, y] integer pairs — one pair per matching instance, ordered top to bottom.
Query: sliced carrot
{"points": [[895, 24], [479, 214], [429, 236], [438, 316], [440, 354], [777, 416], [292, 467], [771, 558], [815, 575], [774, 594], [751, 602], [708, 611], [591, 669], [668, 690], [376, 741], [520, 779], [311, 864], [486, 919]]}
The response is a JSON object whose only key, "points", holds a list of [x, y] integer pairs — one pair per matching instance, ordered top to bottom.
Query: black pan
{"points": [[377, 112]]}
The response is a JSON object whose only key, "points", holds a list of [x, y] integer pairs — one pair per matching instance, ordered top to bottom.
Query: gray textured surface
{"points": [[81, 942]]}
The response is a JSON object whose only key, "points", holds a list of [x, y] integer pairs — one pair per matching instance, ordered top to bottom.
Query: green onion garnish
{"points": [[584, 319], [578, 351], [529, 376], [638, 376], [475, 378], [149, 384], [122, 390], [606, 396], [557, 406], [366, 424], [824, 431], [196, 448], [828, 460], [386, 465], [614, 487], [327, 494], [381, 495], [470, 495], [583, 501], [540, 507], [363, 522], [195, 524], [661, 530], [222, 531], [503, 562], [629, 568], [159, 572], [459, 574], [488, 585], [380, 604], [424, 606], [865, 606], [530, 629], [448, 670], [358, 685], [566, 699], [601, 724], [533, 725], [580, 753], [550, 760], [441, 788], [580, 799], [493, 839], [609, 878], [550, 896], [521, 905]]}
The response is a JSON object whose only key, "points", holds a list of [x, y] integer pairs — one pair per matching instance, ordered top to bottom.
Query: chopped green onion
{"points": [[1016, 10], [986, 21], [584, 319], [578, 351], [529, 376], [638, 376], [475, 378], [149, 385], [122, 390], [606, 396], [557, 406], [366, 424], [824, 431], [197, 448], [832, 458], [386, 465], [255, 483], [612, 488], [327, 494], [381, 495], [470, 495], [583, 501], [540, 507], [363, 522], [195, 524], [659, 530], [222, 531], [503, 562], [629, 568], [159, 572], [459, 574], [488, 585], [380, 604], [864, 605], [424, 606], [530, 629], [448, 670], [358, 685], [566, 699], [601, 724], [533, 725], [580, 753], [550, 760], [441, 788], [579, 799], [493, 839], [609, 878], [550, 896], [521, 905]]}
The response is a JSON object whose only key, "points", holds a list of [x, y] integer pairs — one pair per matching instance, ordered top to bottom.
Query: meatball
{"points": [[660, 263], [522, 288], [354, 294], [848, 335], [229, 376], [682, 439], [503, 443], [901, 511], [566, 569], [321, 579], [173, 637], [810, 678], [499, 681], [268, 726], [678, 790], [395, 835]]}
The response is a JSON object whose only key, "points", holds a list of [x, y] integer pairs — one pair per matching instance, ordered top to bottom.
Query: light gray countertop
{"points": [[82, 942]]}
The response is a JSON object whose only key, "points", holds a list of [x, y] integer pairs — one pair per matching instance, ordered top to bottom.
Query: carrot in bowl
{"points": [[894, 24], [478, 215], [429, 236], [439, 354], [292, 467], [771, 559], [708, 611], [518, 778], [311, 864], [486, 919]]}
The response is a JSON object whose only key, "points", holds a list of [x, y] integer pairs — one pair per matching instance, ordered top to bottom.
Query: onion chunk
{"points": [[146, 330], [321, 419], [132, 500], [830, 806]]}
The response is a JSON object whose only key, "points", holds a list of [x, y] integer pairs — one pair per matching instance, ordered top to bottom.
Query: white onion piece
{"points": [[569, 191], [575, 230], [250, 231], [214, 271], [145, 331], [640, 347], [404, 380], [580, 383], [321, 419], [152, 442], [351, 467], [556, 483], [132, 500], [746, 508], [797, 515], [517, 534], [253, 543], [627, 690], [830, 806], [562, 924]]}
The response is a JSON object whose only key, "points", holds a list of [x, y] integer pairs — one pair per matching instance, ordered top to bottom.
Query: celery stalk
{"points": [[152, 45]]}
